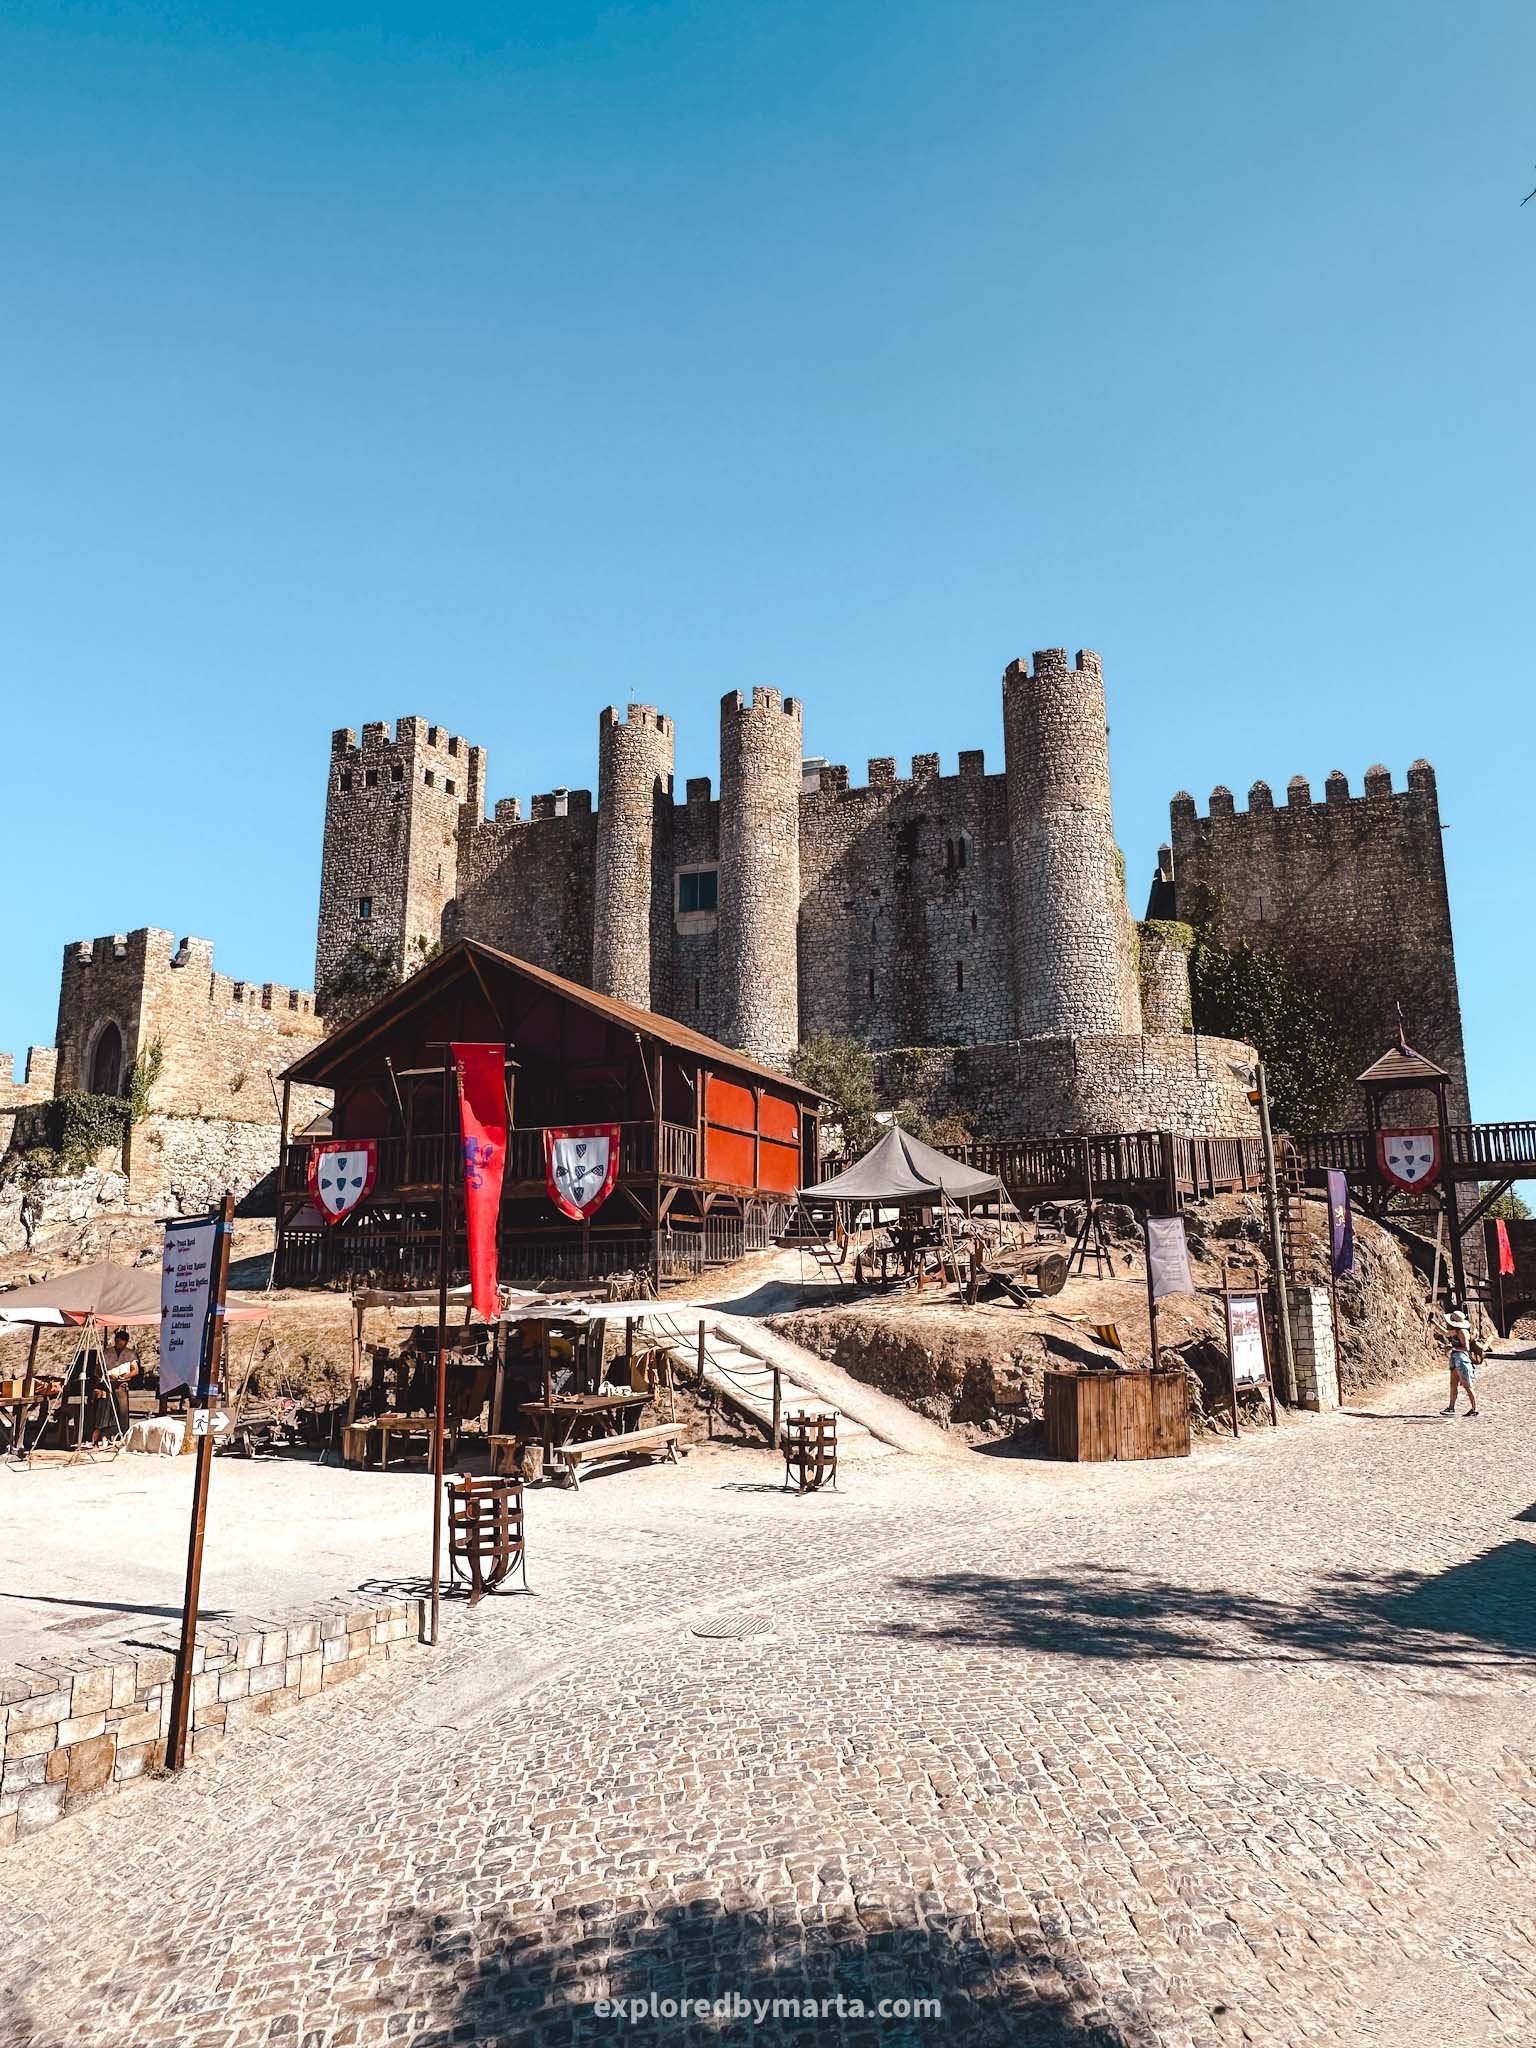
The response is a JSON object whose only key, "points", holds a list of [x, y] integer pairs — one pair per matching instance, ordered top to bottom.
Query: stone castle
{"points": [[972, 927]]}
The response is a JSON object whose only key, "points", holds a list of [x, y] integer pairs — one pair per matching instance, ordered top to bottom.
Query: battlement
{"points": [[1051, 662], [763, 699], [641, 715], [416, 751], [831, 778], [698, 791], [1299, 799], [561, 803]]}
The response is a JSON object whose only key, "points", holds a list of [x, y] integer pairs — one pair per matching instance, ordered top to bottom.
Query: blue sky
{"points": [[499, 362]]}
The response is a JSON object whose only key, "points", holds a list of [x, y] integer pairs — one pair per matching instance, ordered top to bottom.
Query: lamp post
{"points": [[1258, 1094]]}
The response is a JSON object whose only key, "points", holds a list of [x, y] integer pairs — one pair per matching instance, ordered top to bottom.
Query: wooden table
{"points": [[16, 1406], [578, 1418]]}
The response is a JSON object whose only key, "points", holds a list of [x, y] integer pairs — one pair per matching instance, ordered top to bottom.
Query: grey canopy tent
{"points": [[901, 1169]]}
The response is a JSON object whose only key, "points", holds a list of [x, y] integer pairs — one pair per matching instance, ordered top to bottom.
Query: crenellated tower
{"points": [[761, 748], [389, 869], [631, 926], [1072, 963]]}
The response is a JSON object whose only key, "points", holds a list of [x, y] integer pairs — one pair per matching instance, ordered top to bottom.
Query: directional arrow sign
{"points": [[210, 1421]]}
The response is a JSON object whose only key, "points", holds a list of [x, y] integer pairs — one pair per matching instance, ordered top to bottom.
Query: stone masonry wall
{"points": [[761, 749], [389, 866], [526, 885], [1352, 890], [631, 914], [1071, 932], [904, 936], [1164, 962], [694, 976], [1033, 1088], [77, 1730]]}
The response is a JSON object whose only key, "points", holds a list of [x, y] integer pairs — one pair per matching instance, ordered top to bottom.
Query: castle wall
{"points": [[388, 871], [526, 884], [1351, 889], [904, 933], [1163, 950], [694, 977], [1042, 1088]]}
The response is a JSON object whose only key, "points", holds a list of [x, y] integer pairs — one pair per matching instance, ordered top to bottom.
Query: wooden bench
{"points": [[628, 1443]]}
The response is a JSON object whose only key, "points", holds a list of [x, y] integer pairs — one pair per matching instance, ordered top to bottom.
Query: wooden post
{"points": [[1146, 1247], [442, 1356], [357, 1360], [209, 1366], [28, 1384], [778, 1408], [710, 1411]]}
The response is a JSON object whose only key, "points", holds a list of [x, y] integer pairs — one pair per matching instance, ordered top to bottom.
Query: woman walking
{"points": [[1463, 1365]]}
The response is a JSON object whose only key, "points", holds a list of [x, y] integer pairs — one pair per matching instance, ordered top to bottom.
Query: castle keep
{"points": [[975, 910]]}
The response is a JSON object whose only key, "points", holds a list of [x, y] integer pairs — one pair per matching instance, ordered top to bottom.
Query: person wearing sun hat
{"points": [[1463, 1370]]}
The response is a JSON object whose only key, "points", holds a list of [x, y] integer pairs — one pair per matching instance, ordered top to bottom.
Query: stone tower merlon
{"points": [[761, 749], [389, 869], [631, 922], [1073, 967]]}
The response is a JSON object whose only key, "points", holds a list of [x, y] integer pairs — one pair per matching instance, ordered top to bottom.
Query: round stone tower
{"points": [[760, 756], [634, 787], [1073, 973], [1165, 994]]}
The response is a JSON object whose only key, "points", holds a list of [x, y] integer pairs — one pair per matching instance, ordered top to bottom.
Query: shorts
{"points": [[1463, 1368]]}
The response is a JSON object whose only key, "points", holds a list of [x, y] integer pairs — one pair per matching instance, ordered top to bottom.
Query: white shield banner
{"points": [[1410, 1158], [579, 1167], [340, 1176]]}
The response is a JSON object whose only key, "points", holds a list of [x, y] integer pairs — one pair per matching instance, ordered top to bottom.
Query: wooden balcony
{"points": [[414, 1165]]}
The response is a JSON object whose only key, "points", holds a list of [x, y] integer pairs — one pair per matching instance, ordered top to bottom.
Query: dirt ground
{"points": [[981, 1370]]}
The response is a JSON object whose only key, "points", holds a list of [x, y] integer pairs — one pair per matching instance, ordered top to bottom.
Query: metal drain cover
{"points": [[732, 1625]]}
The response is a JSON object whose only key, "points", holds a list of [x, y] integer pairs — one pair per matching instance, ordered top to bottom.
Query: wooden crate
{"points": [[1094, 1417]]}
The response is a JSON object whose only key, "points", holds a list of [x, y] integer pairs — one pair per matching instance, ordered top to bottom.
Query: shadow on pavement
{"points": [[1480, 1613], [544, 1990]]}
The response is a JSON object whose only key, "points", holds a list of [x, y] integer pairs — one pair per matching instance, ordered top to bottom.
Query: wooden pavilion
{"points": [[713, 1146]]}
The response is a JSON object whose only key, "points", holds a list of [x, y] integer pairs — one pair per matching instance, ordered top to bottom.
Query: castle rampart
{"points": [[1351, 890]]}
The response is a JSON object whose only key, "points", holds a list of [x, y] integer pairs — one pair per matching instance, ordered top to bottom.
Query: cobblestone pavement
{"points": [[1233, 1749]]}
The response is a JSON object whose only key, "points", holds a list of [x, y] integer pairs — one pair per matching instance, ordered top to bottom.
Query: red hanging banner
{"points": [[482, 1073], [1506, 1249]]}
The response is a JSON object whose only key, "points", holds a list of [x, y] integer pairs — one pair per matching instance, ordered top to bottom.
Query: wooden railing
{"points": [[1480, 1149], [416, 1162], [1123, 1165]]}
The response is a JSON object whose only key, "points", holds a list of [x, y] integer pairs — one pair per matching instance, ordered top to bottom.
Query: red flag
{"points": [[483, 1123], [1506, 1249]]}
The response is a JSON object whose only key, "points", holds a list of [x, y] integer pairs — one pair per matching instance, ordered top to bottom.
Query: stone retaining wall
{"points": [[78, 1729]]}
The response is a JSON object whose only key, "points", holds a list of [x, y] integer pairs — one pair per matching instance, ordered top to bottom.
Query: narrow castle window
{"points": [[397, 772], [371, 778], [429, 778], [344, 783], [449, 786], [365, 906], [973, 920], [959, 974], [871, 982], [696, 992]]}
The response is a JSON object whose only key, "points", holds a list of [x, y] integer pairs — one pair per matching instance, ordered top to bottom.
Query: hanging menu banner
{"points": [[186, 1283]]}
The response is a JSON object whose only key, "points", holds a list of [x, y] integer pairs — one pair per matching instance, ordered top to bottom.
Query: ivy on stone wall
{"points": [[366, 972], [1305, 1036], [75, 1128]]}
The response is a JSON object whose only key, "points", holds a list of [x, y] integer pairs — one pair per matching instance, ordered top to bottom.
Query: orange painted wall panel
{"points": [[729, 1103], [781, 1119], [728, 1158], [780, 1168]]}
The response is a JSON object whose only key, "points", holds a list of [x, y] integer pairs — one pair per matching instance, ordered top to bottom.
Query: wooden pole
{"points": [[1276, 1241], [1146, 1244], [442, 1358], [209, 1366]]}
